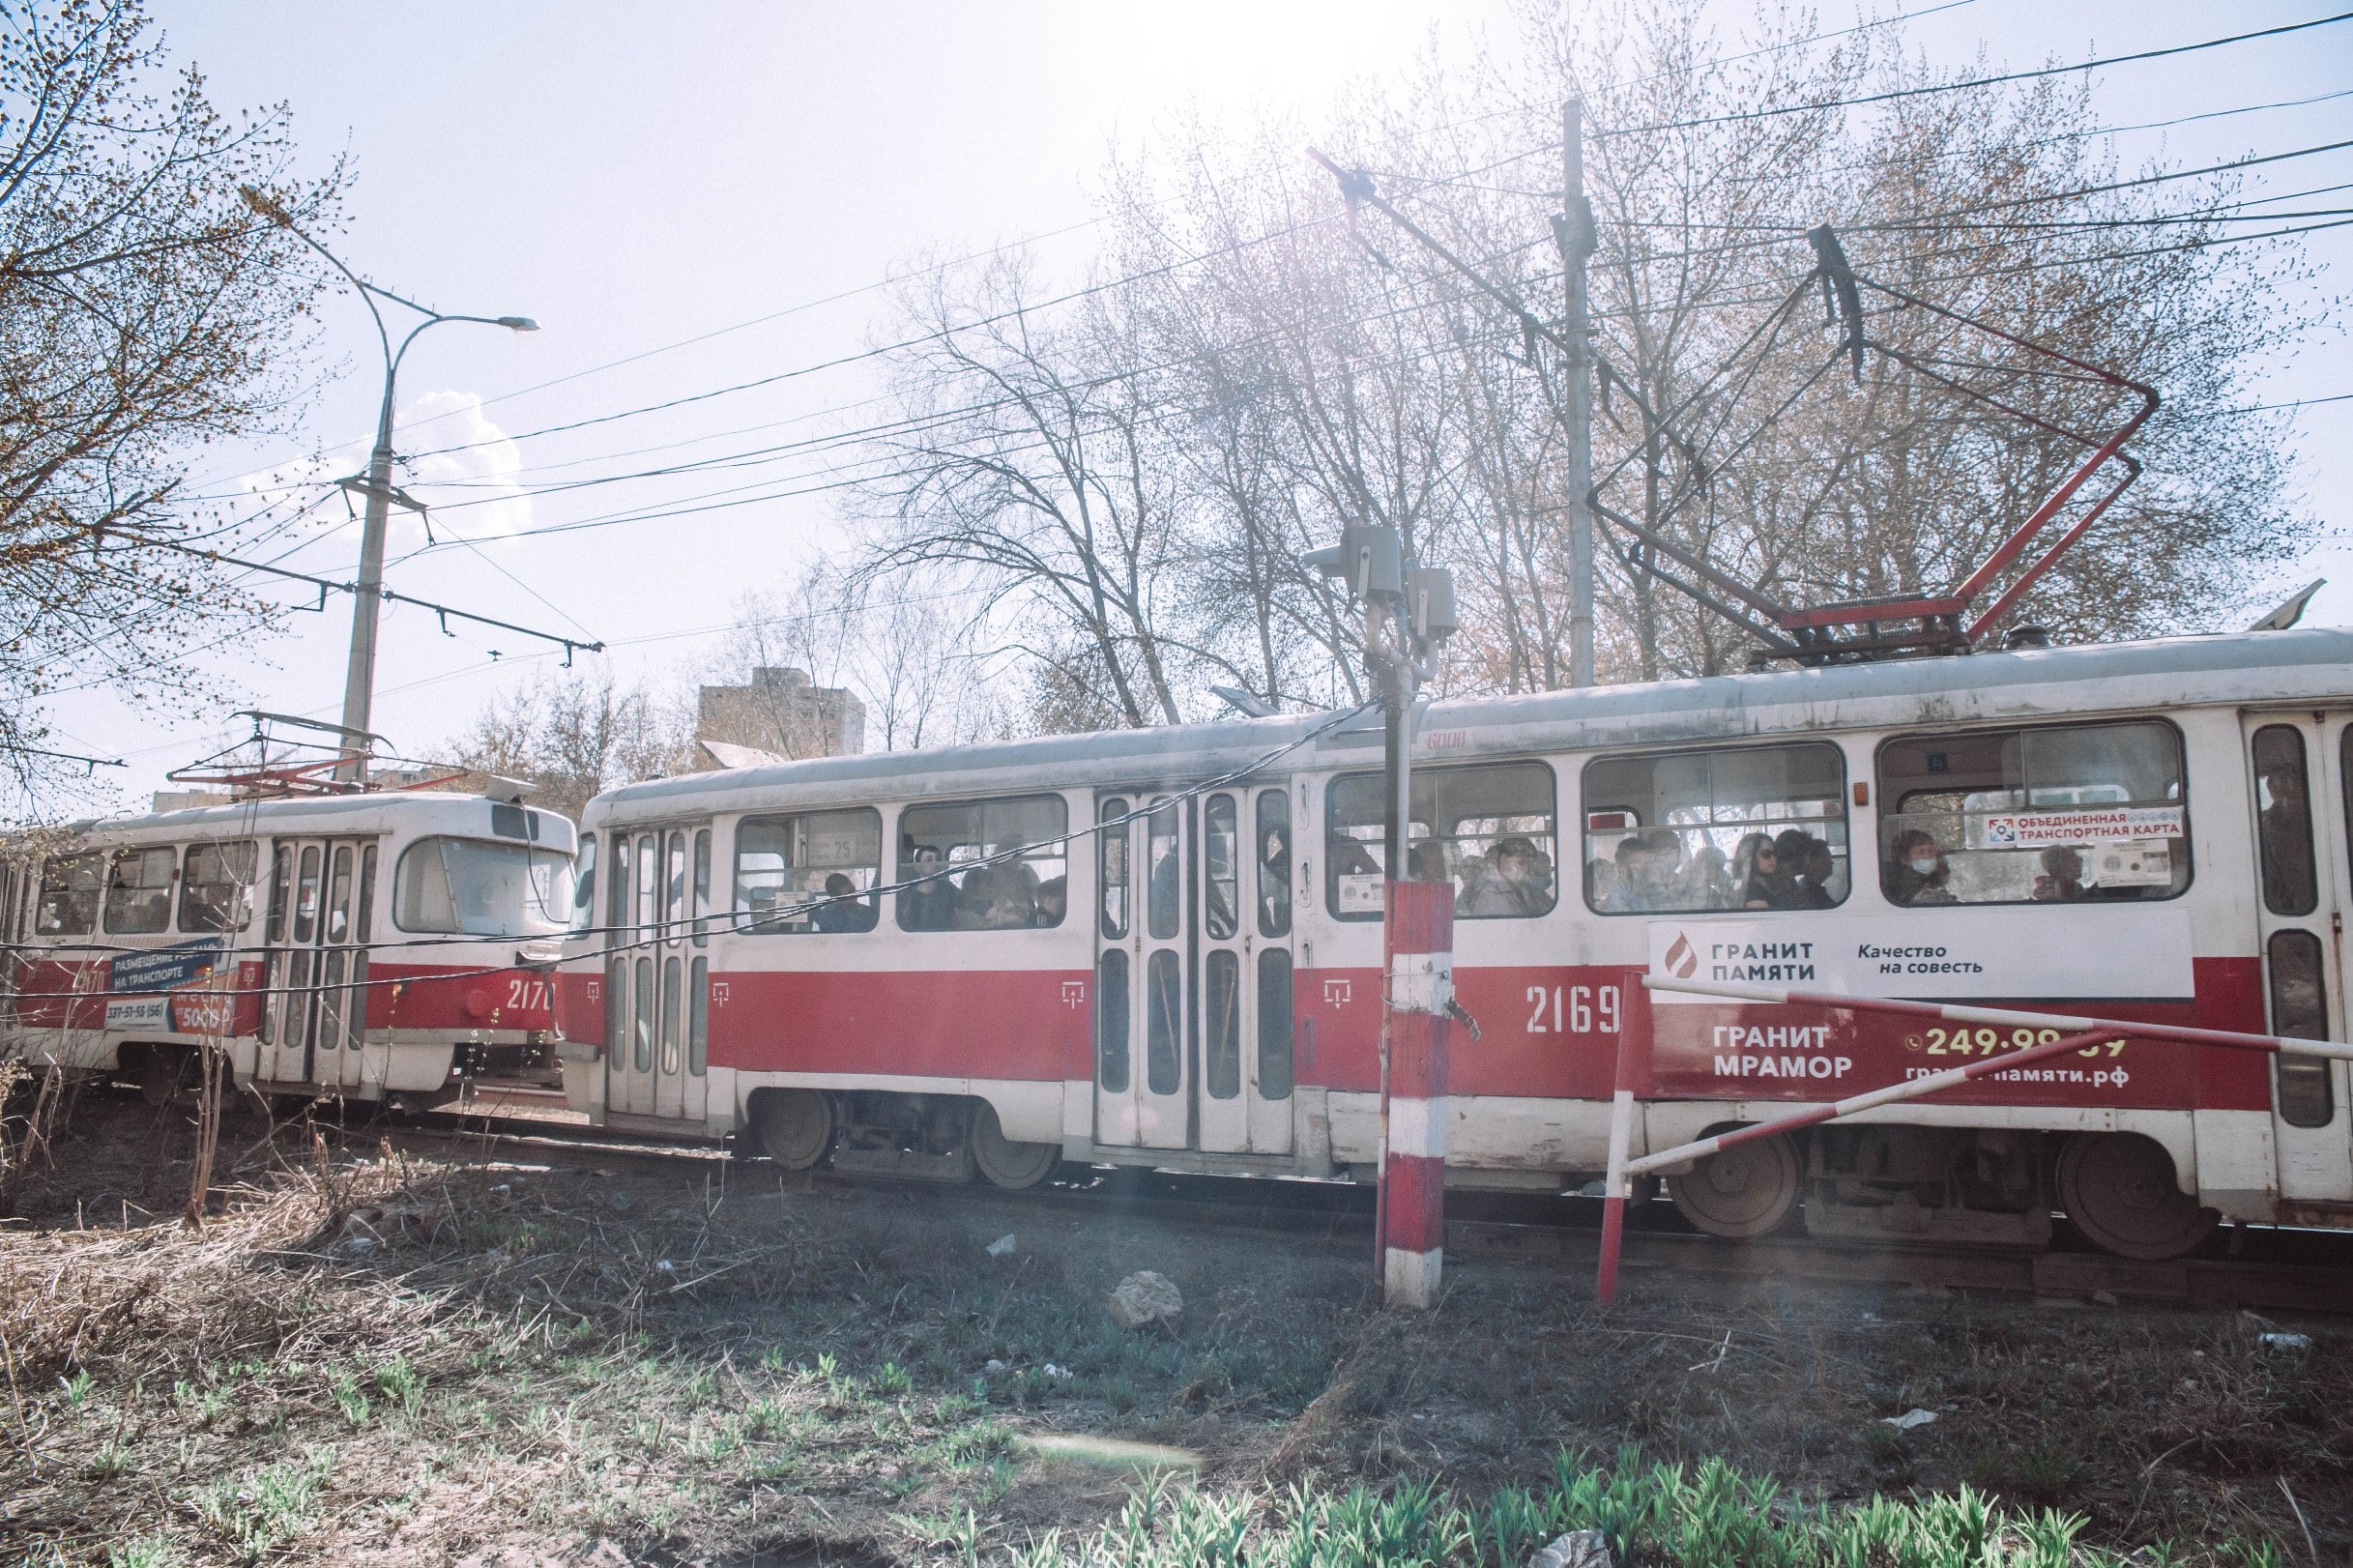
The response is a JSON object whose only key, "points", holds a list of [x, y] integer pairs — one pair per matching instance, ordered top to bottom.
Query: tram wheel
{"points": [[164, 1072], [796, 1126], [1004, 1162], [2118, 1187], [1744, 1191]]}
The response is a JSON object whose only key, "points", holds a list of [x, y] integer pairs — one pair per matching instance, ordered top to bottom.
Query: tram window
{"points": [[2345, 772], [2043, 816], [2284, 821], [1485, 828], [1751, 828], [1273, 843], [1111, 859], [1220, 867], [801, 874], [584, 885], [649, 885], [70, 886], [472, 886], [1028, 886], [281, 888], [702, 888], [138, 891], [219, 891], [1164, 893], [367, 894], [338, 895], [617, 895], [674, 895], [306, 897], [616, 1009], [2300, 1011], [670, 1015], [698, 1015], [1110, 1020], [1163, 1021], [1222, 1022], [1274, 1024], [642, 1030]]}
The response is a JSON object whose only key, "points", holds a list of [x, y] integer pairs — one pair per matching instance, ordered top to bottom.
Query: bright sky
{"points": [[735, 179]]}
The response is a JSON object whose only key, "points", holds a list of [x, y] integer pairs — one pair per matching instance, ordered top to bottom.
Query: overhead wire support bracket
{"points": [[358, 484], [570, 645], [90, 764]]}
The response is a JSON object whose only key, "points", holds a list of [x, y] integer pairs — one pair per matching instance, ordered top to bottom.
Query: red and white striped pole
{"points": [[1419, 1015]]}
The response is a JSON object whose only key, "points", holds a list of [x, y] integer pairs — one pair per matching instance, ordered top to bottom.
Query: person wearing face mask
{"points": [[1919, 871]]}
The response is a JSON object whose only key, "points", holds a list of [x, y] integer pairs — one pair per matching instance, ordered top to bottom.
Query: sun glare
{"points": [[1233, 53]]}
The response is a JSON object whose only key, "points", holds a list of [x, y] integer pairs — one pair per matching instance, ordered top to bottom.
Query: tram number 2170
{"points": [[1587, 1006]]}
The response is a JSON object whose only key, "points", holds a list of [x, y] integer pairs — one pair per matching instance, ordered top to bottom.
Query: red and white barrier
{"points": [[2077, 1033], [1413, 1113]]}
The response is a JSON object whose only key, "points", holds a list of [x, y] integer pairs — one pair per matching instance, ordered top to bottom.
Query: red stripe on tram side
{"points": [[400, 996], [580, 1005], [1011, 1024], [1545, 1033]]}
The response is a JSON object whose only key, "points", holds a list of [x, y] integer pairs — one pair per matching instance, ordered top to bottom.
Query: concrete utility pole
{"points": [[1573, 230], [367, 601], [1407, 615]]}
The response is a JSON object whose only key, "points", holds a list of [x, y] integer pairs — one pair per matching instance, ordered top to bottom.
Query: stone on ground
{"points": [[1146, 1297]]}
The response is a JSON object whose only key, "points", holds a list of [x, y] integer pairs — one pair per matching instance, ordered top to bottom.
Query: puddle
{"points": [[1086, 1449]]}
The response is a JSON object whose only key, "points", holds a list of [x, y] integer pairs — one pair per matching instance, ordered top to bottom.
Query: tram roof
{"points": [[2160, 673], [423, 811]]}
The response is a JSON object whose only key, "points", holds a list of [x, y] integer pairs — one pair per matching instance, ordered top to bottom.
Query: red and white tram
{"points": [[2160, 828], [367, 945]]}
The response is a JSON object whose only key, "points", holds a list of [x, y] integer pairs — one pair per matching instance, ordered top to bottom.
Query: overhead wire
{"points": [[1895, 93]]}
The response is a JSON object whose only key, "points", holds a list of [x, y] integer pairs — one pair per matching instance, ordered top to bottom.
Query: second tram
{"points": [[370, 945]]}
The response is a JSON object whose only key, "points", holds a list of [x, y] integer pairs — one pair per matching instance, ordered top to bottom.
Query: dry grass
{"points": [[491, 1363]]}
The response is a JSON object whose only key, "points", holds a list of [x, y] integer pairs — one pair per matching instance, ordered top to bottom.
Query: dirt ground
{"points": [[484, 1359]]}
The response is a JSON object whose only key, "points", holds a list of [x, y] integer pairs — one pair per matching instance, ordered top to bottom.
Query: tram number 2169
{"points": [[1572, 1009]]}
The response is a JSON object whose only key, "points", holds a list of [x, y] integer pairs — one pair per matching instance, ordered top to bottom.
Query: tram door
{"points": [[2300, 781], [322, 893], [656, 978], [1193, 1014]]}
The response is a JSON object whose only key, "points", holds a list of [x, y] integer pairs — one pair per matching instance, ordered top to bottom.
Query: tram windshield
{"points": [[467, 887]]}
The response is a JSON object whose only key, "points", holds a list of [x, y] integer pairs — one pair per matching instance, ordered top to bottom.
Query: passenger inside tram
{"points": [[1814, 866], [1757, 872], [1918, 872], [2062, 877], [1511, 882], [1001, 896], [1053, 900], [930, 905], [843, 909]]}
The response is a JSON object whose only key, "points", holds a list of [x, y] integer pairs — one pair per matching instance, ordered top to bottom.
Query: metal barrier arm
{"points": [[1911, 1089]]}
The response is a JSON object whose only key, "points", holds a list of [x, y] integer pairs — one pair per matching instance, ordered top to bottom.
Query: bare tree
{"points": [[143, 314], [1148, 463], [1032, 464], [577, 735]]}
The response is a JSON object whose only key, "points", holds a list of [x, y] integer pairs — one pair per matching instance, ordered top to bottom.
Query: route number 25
{"points": [[1547, 1015]]}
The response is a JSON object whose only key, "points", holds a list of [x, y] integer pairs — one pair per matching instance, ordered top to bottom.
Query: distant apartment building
{"points": [[780, 715]]}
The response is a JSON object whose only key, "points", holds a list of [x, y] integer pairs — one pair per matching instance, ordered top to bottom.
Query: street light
{"points": [[359, 676]]}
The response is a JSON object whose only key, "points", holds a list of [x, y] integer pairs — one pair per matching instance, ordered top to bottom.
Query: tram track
{"points": [[2254, 1267]]}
